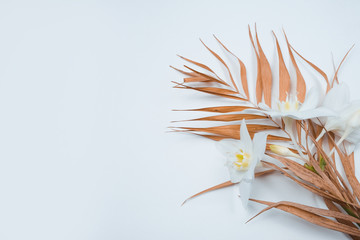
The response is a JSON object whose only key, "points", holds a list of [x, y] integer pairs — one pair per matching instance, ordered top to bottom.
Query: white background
{"points": [[86, 99]]}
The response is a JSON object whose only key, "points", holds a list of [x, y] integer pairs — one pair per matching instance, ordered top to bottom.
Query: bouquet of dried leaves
{"points": [[308, 135]]}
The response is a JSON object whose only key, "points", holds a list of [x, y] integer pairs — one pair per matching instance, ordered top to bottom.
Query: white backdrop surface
{"points": [[86, 99]]}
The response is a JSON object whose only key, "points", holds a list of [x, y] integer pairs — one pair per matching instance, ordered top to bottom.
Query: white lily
{"points": [[291, 109], [294, 109], [346, 122], [243, 157]]}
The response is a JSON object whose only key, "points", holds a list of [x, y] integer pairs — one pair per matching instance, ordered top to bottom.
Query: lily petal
{"points": [[337, 97], [312, 99], [311, 113], [245, 136], [259, 143], [228, 146], [235, 176], [245, 191]]}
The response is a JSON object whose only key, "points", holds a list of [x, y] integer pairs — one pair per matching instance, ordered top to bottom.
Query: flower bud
{"points": [[283, 151]]}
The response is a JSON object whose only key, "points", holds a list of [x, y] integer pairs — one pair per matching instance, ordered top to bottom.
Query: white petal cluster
{"points": [[292, 108], [346, 122], [242, 158]]}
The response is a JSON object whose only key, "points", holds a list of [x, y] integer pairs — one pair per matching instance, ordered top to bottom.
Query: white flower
{"points": [[292, 108], [346, 122], [243, 156]]}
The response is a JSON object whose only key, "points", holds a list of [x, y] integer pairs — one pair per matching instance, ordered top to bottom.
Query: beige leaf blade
{"points": [[223, 62], [198, 64], [315, 67], [337, 70], [191, 74], [207, 76], [243, 77], [266, 77], [284, 77], [197, 79], [300, 82], [259, 86], [216, 90], [213, 91], [220, 109], [229, 117], [231, 131], [212, 137], [218, 137], [278, 138], [352, 162], [304, 173], [353, 181], [225, 184], [219, 186], [309, 187], [331, 206], [318, 211], [309, 214]]}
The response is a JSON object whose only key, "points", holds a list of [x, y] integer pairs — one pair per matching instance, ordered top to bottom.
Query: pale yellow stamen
{"points": [[290, 105], [242, 162]]}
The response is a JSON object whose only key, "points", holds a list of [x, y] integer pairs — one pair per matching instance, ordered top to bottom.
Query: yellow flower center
{"points": [[290, 105], [242, 160]]}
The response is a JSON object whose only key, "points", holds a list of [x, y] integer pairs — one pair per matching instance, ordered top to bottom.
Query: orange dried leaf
{"points": [[223, 62], [198, 64], [315, 67], [337, 70], [186, 73], [207, 76], [243, 77], [266, 77], [284, 77], [198, 79], [300, 82], [259, 86], [214, 91], [220, 109], [230, 117], [232, 131], [273, 137], [218, 138], [352, 162], [349, 172], [305, 174], [226, 184], [222, 185], [305, 185], [333, 207], [318, 211], [310, 214]]}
